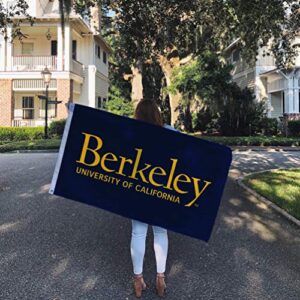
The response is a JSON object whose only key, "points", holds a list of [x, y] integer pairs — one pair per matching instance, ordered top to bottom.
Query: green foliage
{"points": [[203, 81], [117, 104], [240, 113], [204, 120], [268, 126], [294, 127], [56, 128], [21, 133], [252, 140]]}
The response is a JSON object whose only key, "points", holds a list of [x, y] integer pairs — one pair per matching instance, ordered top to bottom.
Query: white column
{"points": [[68, 47], [59, 48], [9, 49], [2, 55], [92, 85], [296, 94], [289, 96], [269, 106]]}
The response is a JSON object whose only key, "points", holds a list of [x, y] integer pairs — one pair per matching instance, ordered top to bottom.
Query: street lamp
{"points": [[46, 75]]}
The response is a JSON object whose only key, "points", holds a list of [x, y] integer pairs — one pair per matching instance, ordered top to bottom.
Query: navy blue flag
{"points": [[141, 171]]}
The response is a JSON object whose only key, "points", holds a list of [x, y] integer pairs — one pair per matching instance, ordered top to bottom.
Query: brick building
{"points": [[77, 59]]}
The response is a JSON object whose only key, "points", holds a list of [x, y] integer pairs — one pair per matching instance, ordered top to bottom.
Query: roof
{"points": [[100, 37], [232, 44], [276, 70]]}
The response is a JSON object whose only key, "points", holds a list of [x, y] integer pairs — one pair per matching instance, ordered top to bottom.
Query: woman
{"points": [[148, 111]]}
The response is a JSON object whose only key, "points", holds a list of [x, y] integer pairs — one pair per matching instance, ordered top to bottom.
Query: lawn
{"points": [[30, 145], [282, 187]]}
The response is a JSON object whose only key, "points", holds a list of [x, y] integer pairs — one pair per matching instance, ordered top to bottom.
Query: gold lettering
{"points": [[94, 151], [104, 158], [122, 164], [136, 165], [172, 171], [152, 172], [177, 178], [197, 192]]}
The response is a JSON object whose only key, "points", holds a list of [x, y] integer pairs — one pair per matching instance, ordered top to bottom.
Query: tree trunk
{"points": [[167, 67], [137, 82]]}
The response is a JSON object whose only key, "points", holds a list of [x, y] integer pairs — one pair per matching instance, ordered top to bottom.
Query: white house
{"points": [[77, 59], [279, 87]]}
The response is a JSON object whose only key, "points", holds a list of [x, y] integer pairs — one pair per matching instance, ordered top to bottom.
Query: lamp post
{"points": [[46, 75]]}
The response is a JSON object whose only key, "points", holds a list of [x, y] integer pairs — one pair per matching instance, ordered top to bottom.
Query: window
{"points": [[27, 48], [53, 48], [74, 50], [98, 51], [235, 55], [104, 57], [99, 102], [104, 103], [28, 107], [52, 109]]}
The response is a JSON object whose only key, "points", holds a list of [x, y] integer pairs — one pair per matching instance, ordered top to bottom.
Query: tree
{"points": [[8, 13], [172, 32]]}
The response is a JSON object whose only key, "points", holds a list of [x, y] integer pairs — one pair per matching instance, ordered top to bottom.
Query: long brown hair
{"points": [[148, 111]]}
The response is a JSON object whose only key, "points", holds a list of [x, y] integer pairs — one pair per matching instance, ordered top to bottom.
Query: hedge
{"points": [[21, 133], [252, 140]]}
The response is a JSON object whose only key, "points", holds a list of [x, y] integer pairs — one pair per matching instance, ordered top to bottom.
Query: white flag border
{"points": [[62, 149]]}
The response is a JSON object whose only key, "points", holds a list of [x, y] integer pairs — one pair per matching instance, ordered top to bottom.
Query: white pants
{"points": [[138, 242]]}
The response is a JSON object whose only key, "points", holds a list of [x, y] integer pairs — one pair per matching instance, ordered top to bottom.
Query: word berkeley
{"points": [[117, 165]]}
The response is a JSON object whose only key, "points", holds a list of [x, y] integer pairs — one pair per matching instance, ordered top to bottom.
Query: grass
{"points": [[252, 140], [30, 145], [282, 187]]}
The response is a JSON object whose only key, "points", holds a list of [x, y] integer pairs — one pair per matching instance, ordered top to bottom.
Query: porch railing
{"points": [[33, 63], [77, 67], [32, 84], [24, 123], [30, 123]]}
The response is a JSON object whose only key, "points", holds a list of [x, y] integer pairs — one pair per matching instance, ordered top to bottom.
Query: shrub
{"points": [[240, 113], [202, 120], [268, 126], [294, 127], [56, 128], [21, 133]]}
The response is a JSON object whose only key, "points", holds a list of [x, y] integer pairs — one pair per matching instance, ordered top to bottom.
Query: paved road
{"points": [[54, 248]]}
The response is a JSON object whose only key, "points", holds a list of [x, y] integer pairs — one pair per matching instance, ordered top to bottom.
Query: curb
{"points": [[263, 148], [33, 151], [265, 200]]}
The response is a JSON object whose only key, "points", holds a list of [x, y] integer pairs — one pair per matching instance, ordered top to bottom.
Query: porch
{"points": [[43, 46], [38, 63], [283, 92], [29, 110]]}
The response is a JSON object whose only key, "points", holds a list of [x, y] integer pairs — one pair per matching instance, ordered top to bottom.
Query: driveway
{"points": [[55, 248]]}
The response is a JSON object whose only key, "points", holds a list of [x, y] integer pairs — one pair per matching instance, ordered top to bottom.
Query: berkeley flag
{"points": [[141, 171]]}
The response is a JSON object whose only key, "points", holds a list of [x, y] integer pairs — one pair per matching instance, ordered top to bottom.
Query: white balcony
{"points": [[33, 63], [38, 63], [77, 67], [33, 84]]}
